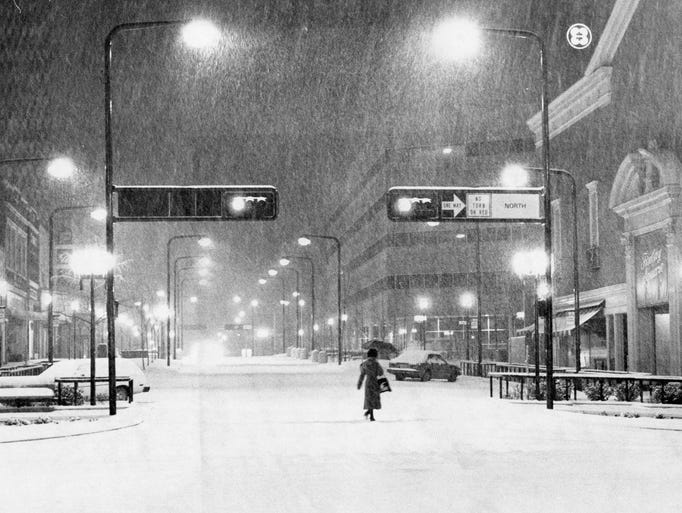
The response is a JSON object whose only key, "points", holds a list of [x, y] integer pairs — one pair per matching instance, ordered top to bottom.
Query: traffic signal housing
{"points": [[197, 203]]}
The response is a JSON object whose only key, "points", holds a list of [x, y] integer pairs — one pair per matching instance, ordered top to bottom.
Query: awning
{"points": [[564, 320]]}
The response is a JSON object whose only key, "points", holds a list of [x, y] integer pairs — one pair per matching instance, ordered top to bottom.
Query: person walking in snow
{"points": [[371, 369]]}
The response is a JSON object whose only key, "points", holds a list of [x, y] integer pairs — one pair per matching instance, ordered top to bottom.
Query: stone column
{"points": [[627, 240], [674, 303]]}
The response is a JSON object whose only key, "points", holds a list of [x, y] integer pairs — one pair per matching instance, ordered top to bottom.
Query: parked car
{"points": [[423, 365], [80, 368]]}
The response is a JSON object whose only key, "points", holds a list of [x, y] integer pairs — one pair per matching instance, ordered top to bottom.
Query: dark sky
{"points": [[303, 95]]}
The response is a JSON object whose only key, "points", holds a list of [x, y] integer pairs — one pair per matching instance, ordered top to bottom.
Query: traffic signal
{"points": [[196, 203], [254, 203], [413, 204]]}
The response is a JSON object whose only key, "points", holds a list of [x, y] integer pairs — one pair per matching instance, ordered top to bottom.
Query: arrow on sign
{"points": [[453, 208]]}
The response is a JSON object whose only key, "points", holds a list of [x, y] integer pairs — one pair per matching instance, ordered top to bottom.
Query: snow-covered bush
{"points": [[598, 391], [628, 394], [672, 394]]}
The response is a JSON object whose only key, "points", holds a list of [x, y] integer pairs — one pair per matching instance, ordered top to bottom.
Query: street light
{"points": [[460, 40], [59, 167], [109, 171], [517, 176], [95, 214], [304, 240], [203, 241], [202, 261], [92, 262], [533, 264], [467, 301], [283, 302], [254, 304], [298, 304]]}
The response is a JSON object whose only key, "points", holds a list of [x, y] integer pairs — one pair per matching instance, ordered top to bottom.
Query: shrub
{"points": [[560, 391], [597, 391], [628, 394], [672, 394], [68, 396]]}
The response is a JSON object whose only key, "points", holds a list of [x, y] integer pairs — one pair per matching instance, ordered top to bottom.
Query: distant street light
{"points": [[304, 240], [467, 301]]}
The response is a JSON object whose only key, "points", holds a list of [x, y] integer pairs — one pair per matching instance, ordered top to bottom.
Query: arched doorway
{"points": [[646, 194]]}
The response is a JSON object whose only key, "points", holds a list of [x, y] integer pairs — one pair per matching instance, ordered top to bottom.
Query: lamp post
{"points": [[197, 33], [462, 37], [516, 176], [95, 214], [304, 240], [203, 241], [91, 263], [532, 264], [273, 274], [312, 292], [466, 301], [254, 304], [298, 304]]}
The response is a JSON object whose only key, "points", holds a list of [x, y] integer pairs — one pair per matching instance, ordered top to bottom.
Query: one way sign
{"points": [[453, 208]]}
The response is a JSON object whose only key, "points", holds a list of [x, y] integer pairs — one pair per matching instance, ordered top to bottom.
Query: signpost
{"points": [[465, 204]]}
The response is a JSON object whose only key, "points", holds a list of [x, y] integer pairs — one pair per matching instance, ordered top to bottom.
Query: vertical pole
{"points": [[108, 192], [50, 286], [576, 286], [338, 295], [479, 295], [312, 303], [298, 309], [549, 321], [284, 322], [168, 338], [536, 340], [93, 369]]}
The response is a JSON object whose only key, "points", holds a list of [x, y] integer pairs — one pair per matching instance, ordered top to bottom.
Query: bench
{"points": [[587, 376], [75, 380], [28, 394]]}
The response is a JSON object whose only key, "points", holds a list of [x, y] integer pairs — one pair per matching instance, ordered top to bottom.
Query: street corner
{"points": [[18, 426]]}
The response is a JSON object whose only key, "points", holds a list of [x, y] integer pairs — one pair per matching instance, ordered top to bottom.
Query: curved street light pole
{"points": [[544, 114], [109, 190], [576, 272], [50, 275], [168, 280], [338, 285], [312, 294], [175, 304], [298, 305]]}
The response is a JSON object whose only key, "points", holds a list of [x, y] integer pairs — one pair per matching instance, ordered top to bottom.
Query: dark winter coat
{"points": [[371, 369]]}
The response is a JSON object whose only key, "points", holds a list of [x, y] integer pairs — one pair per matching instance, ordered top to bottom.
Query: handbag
{"points": [[384, 385]]}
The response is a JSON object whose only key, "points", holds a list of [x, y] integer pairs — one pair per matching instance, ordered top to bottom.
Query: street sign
{"points": [[196, 203], [465, 203], [237, 327]]}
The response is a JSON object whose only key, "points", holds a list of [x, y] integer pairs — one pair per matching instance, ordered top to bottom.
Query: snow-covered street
{"points": [[285, 435]]}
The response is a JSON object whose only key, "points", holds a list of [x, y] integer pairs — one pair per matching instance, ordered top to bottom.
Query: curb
{"points": [[67, 429]]}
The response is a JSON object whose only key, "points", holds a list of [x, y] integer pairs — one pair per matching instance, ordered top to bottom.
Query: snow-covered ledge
{"points": [[594, 89], [586, 95]]}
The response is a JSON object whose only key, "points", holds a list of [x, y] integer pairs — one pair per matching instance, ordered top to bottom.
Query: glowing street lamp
{"points": [[195, 35], [454, 40], [92, 262], [467, 301]]}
